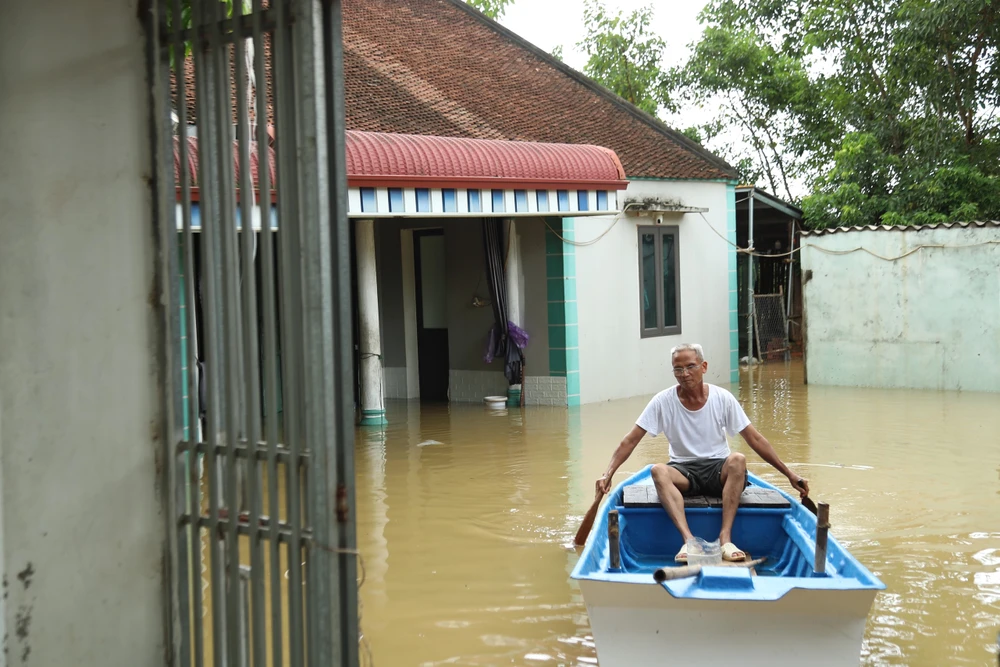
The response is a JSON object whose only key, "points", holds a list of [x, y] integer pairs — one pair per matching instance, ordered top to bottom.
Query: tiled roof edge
{"points": [[619, 101], [900, 228]]}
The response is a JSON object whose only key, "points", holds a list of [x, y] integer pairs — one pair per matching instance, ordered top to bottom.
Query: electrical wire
{"points": [[583, 244], [905, 254]]}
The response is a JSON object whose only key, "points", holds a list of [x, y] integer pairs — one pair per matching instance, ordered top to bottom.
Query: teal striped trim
{"points": [[563, 313], [373, 418]]}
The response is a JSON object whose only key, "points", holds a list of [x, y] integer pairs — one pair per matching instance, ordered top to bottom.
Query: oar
{"points": [[807, 501], [588, 521]]}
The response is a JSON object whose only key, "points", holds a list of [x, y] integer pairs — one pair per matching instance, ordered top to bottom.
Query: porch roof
{"points": [[376, 159], [404, 175]]}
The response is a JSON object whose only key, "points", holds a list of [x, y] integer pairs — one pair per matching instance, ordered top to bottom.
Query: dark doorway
{"points": [[432, 314]]}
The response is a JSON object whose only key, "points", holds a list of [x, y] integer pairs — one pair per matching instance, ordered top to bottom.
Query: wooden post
{"points": [[804, 326], [822, 528], [613, 540]]}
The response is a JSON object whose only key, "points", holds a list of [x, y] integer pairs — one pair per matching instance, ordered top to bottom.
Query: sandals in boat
{"points": [[731, 553], [682, 555]]}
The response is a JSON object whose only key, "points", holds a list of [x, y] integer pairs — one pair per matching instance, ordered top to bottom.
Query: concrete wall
{"points": [[930, 320], [615, 362], [471, 377], [81, 530]]}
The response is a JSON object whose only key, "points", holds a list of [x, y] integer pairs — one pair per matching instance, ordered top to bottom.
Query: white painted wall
{"points": [[927, 321], [615, 362], [81, 533]]}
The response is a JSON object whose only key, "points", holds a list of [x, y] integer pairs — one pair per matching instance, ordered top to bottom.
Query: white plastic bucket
{"points": [[495, 402]]}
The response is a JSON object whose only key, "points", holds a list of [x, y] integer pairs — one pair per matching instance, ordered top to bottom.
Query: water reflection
{"points": [[465, 517]]}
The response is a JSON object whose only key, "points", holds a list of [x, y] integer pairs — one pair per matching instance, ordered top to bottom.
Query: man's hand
{"points": [[800, 484], [602, 485]]}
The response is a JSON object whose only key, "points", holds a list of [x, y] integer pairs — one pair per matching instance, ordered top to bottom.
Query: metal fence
{"points": [[771, 326], [260, 501]]}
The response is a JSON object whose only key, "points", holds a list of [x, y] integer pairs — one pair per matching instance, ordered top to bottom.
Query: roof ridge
{"points": [[654, 122]]}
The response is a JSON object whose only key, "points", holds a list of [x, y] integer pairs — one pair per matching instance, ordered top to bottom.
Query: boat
{"points": [[790, 609]]}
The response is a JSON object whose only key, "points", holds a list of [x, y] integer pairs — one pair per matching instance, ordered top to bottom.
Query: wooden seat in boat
{"points": [[644, 495]]}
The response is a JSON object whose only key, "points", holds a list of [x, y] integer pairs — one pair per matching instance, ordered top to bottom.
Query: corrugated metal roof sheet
{"points": [[375, 158], [380, 159], [900, 228]]}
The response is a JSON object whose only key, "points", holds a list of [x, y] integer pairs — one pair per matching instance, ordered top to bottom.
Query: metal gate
{"points": [[254, 284]]}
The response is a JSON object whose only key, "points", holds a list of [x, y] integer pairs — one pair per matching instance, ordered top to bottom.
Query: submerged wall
{"points": [[930, 320], [81, 529]]}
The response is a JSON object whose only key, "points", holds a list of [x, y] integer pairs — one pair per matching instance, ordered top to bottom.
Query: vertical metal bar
{"points": [[208, 129], [791, 270], [750, 307], [291, 311], [317, 320], [231, 325], [250, 329], [270, 345], [170, 426], [341, 468], [193, 542], [244, 601]]}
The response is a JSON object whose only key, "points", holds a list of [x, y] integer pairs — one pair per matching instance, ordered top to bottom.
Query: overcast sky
{"points": [[550, 23]]}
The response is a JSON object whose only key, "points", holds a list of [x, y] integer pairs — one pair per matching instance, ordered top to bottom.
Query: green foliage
{"points": [[492, 8], [187, 20], [557, 53], [624, 56], [884, 109]]}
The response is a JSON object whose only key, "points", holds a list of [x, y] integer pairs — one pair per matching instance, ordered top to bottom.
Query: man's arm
{"points": [[759, 444], [624, 450]]}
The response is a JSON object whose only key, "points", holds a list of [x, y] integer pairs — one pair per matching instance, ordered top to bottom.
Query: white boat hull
{"points": [[643, 624]]}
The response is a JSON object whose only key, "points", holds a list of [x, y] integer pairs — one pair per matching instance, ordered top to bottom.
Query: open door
{"points": [[432, 314]]}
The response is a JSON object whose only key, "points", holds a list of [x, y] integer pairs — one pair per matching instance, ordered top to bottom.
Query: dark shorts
{"points": [[705, 476]]}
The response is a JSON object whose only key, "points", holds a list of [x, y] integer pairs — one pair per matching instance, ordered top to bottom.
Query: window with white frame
{"points": [[659, 281]]}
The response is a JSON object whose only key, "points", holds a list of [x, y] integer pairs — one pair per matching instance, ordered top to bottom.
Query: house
{"points": [[614, 233], [605, 296]]}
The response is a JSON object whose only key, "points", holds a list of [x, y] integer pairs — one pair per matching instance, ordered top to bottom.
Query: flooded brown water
{"points": [[465, 517]]}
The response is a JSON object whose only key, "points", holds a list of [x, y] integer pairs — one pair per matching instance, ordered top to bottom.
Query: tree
{"points": [[492, 8], [625, 56], [884, 109]]}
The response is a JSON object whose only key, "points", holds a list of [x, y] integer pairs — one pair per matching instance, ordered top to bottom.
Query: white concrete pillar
{"points": [[515, 281], [515, 297], [369, 336]]}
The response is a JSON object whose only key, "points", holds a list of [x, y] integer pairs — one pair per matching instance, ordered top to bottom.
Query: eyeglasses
{"points": [[690, 368]]}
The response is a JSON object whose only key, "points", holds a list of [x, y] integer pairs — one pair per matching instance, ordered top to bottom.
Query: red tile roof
{"points": [[439, 67], [399, 160], [407, 160]]}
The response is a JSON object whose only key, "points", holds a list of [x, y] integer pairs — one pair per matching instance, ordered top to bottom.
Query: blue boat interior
{"points": [[784, 534]]}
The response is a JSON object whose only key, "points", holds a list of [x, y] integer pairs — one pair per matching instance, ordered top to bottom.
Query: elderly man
{"points": [[696, 417]]}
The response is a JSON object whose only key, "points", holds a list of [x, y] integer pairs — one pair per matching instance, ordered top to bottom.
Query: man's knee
{"points": [[736, 463], [660, 472]]}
